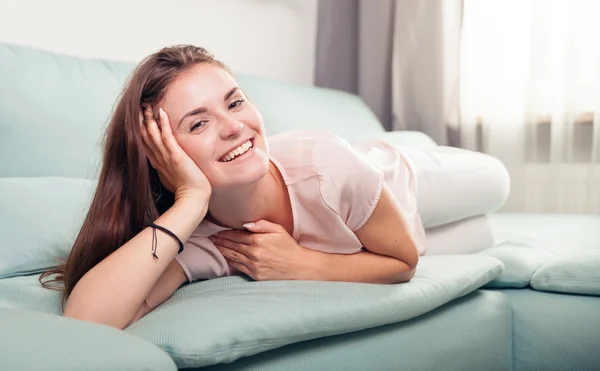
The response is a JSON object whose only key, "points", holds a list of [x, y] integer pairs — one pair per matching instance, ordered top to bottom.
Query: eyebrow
{"points": [[199, 110]]}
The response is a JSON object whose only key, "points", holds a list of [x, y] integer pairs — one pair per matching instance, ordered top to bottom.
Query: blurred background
{"points": [[518, 79]]}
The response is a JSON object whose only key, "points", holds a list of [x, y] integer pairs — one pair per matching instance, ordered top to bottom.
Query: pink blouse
{"points": [[333, 188]]}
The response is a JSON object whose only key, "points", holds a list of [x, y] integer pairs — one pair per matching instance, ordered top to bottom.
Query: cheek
{"points": [[253, 118], [199, 149]]}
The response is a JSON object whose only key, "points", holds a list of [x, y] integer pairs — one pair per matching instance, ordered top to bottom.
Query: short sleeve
{"points": [[349, 183], [201, 260]]}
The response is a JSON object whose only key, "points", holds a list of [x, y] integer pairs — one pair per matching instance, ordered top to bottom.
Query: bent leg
{"points": [[454, 184], [462, 237]]}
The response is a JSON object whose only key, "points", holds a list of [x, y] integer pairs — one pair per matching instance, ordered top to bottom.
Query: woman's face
{"points": [[217, 126]]}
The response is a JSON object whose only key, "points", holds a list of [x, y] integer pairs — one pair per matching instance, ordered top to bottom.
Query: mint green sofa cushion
{"points": [[286, 106], [54, 109], [39, 220], [548, 252], [521, 261], [578, 274], [238, 318], [224, 319], [554, 332], [469, 333], [37, 341]]}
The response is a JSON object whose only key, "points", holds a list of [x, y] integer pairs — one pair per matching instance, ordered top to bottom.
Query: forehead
{"points": [[197, 85]]}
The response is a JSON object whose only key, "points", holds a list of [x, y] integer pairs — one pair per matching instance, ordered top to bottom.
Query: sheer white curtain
{"points": [[519, 79], [530, 95]]}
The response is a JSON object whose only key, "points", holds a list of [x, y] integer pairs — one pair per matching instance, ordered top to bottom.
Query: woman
{"points": [[190, 189]]}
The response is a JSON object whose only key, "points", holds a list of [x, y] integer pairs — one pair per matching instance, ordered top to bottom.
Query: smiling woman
{"points": [[213, 120], [191, 188]]}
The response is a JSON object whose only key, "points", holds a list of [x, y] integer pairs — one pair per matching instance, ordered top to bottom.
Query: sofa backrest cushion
{"points": [[54, 109]]}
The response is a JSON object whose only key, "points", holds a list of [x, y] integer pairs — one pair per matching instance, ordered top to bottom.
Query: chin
{"points": [[246, 171]]}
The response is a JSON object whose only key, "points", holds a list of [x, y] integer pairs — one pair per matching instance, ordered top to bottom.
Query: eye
{"points": [[236, 103], [198, 124]]}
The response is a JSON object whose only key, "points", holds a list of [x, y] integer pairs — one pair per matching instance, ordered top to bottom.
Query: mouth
{"points": [[239, 152]]}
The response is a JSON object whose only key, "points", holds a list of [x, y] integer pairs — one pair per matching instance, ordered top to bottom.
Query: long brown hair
{"points": [[129, 194]]}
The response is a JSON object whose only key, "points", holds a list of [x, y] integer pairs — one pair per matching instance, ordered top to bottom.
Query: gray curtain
{"points": [[400, 56]]}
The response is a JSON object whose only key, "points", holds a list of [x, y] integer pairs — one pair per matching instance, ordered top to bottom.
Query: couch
{"points": [[529, 303]]}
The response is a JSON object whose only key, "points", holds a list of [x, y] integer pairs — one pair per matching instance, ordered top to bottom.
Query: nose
{"points": [[231, 127]]}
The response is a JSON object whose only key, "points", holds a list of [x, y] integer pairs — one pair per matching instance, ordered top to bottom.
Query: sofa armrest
{"points": [[39, 341]]}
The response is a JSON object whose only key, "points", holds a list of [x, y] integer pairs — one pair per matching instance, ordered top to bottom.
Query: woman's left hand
{"points": [[266, 252]]}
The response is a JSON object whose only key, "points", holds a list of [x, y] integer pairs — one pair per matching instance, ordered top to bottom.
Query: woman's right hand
{"points": [[176, 170]]}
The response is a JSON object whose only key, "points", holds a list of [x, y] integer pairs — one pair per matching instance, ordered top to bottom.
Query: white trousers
{"points": [[456, 189]]}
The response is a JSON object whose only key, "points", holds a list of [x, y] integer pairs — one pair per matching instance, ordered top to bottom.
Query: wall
{"points": [[272, 38]]}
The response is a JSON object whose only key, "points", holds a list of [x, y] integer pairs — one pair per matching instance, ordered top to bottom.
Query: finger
{"points": [[148, 114], [143, 130], [144, 133], [167, 133], [154, 134], [147, 143], [263, 226], [242, 237], [239, 247], [233, 255], [230, 266], [242, 268]]}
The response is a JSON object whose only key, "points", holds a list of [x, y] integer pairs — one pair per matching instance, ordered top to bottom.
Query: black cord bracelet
{"points": [[155, 240]]}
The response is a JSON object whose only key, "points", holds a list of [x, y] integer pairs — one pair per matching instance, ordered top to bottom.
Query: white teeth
{"points": [[237, 151]]}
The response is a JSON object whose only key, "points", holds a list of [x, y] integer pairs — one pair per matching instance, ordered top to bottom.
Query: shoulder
{"points": [[302, 139], [319, 146], [306, 153], [326, 153], [350, 184]]}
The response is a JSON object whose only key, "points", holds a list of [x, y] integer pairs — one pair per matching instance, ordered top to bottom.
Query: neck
{"points": [[235, 206]]}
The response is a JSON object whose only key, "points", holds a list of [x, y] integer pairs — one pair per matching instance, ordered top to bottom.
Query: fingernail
{"points": [[161, 111], [248, 225]]}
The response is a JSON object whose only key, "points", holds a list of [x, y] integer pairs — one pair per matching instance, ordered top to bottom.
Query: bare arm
{"points": [[268, 252], [392, 255], [364, 266], [164, 288], [113, 291]]}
